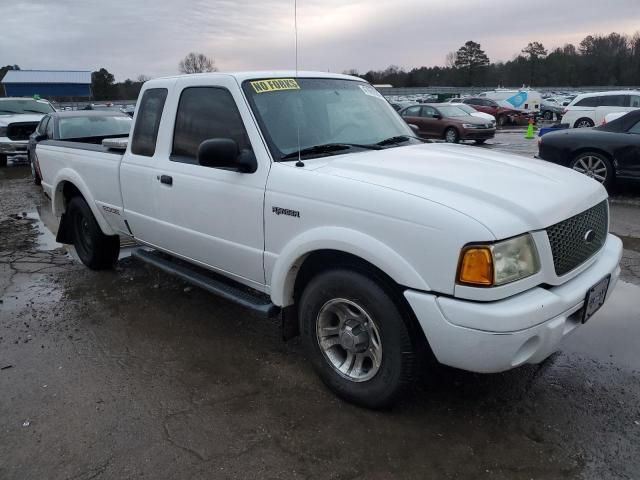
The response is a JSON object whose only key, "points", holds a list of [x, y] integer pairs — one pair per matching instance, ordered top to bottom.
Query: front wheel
{"points": [[548, 115], [583, 123], [451, 135], [594, 165], [34, 171], [96, 250], [356, 338]]}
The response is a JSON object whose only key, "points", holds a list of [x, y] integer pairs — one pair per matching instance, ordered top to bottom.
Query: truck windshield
{"points": [[20, 106], [302, 113], [98, 126]]}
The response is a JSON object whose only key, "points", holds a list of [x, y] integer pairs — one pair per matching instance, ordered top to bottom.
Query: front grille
{"points": [[21, 131], [568, 240]]}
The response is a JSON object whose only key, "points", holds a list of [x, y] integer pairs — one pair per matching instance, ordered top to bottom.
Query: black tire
{"points": [[548, 115], [501, 120], [583, 123], [451, 135], [480, 141], [3, 160], [583, 160], [96, 250], [398, 353]]}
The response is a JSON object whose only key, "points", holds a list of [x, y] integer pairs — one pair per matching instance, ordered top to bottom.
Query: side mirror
{"points": [[437, 116], [414, 127], [41, 137], [225, 153]]}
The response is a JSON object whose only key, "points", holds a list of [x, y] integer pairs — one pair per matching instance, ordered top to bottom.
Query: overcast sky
{"points": [[133, 37]]}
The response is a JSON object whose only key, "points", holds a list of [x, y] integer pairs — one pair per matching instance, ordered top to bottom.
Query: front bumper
{"points": [[477, 134], [11, 147], [525, 328]]}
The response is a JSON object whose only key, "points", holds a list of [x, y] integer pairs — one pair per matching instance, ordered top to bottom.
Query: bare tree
{"points": [[450, 60], [197, 63], [143, 78]]}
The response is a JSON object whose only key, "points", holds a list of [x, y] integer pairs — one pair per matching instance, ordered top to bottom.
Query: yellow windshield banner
{"points": [[274, 85]]}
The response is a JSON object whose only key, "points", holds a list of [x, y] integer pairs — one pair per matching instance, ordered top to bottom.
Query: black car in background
{"points": [[79, 125], [606, 154]]}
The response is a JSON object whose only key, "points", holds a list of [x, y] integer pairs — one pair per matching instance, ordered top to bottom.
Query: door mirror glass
{"points": [[40, 137], [225, 153]]}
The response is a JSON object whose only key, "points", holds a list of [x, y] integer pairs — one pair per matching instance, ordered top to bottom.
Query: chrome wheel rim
{"points": [[584, 124], [451, 136], [592, 167], [349, 340]]}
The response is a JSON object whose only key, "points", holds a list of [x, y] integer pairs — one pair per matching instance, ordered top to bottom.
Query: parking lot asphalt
{"points": [[131, 373]]}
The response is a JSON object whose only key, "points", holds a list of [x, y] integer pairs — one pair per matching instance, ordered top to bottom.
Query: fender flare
{"points": [[57, 199], [341, 239]]}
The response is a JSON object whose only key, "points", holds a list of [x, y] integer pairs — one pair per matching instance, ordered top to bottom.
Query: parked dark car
{"points": [[503, 115], [447, 122], [79, 125], [606, 154]]}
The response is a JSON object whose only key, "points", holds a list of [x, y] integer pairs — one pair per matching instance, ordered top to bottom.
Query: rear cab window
{"points": [[145, 132]]}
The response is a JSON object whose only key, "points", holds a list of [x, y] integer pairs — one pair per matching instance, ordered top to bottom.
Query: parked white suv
{"points": [[581, 112], [19, 118], [309, 197]]}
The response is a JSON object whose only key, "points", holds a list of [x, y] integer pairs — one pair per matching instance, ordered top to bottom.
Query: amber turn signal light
{"points": [[476, 267]]}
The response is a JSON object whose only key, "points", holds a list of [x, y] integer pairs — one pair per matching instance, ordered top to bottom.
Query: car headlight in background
{"points": [[471, 125], [3, 131], [498, 263]]}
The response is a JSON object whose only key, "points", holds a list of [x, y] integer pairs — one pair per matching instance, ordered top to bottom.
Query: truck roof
{"points": [[255, 75]]}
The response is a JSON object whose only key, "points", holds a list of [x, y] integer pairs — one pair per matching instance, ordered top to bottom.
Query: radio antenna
{"points": [[299, 163]]}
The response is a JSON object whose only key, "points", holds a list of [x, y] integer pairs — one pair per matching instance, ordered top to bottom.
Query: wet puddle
{"points": [[46, 240], [612, 334]]}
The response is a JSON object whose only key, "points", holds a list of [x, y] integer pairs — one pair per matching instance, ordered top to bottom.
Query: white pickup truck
{"points": [[307, 196]]}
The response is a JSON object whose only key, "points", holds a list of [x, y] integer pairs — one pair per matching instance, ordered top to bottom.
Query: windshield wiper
{"points": [[397, 139], [327, 148]]}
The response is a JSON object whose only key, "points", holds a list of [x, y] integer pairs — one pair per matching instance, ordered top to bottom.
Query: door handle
{"points": [[166, 179]]}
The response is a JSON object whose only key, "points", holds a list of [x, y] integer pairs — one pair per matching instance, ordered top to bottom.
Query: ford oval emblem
{"points": [[589, 236]]}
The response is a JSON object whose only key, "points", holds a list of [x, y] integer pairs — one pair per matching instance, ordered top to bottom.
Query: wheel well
{"points": [[580, 151], [63, 195], [324, 260]]}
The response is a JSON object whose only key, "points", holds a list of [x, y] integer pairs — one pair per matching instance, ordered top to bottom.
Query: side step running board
{"points": [[209, 281]]}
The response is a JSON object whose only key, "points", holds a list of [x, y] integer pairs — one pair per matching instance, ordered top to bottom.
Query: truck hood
{"points": [[18, 118], [508, 194]]}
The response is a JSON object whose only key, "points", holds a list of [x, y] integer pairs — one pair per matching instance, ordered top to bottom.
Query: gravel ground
{"points": [[131, 373]]}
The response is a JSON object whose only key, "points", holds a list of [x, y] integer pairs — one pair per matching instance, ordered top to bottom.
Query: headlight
{"points": [[469, 125], [3, 131], [498, 263]]}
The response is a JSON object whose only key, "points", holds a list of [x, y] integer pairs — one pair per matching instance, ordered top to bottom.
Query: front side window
{"points": [[635, 101], [589, 102], [452, 111], [429, 112], [205, 113], [302, 113], [635, 129], [145, 132]]}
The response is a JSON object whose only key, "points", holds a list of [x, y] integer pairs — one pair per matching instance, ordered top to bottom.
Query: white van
{"points": [[528, 101], [583, 111]]}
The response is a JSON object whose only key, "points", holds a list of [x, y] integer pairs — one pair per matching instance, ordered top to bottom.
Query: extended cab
{"points": [[307, 196]]}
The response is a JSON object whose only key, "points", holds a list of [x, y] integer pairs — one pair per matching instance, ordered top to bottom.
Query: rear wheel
{"points": [[548, 115], [501, 120], [583, 123], [451, 135], [594, 165], [96, 250], [357, 338]]}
